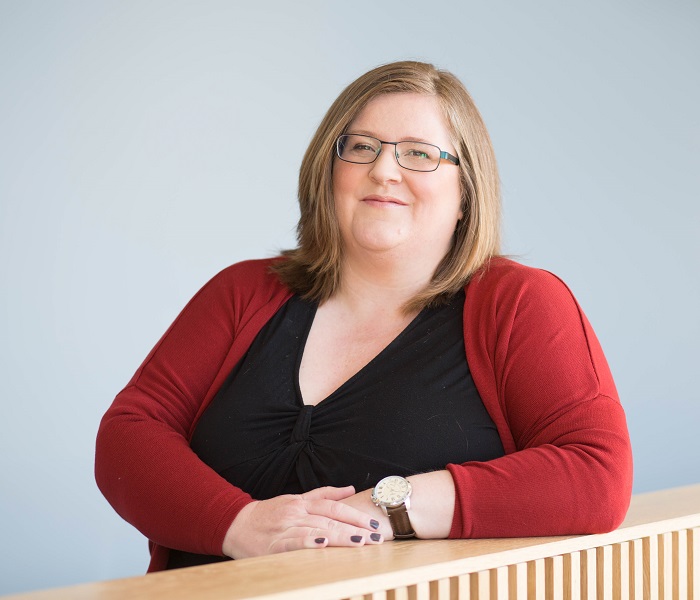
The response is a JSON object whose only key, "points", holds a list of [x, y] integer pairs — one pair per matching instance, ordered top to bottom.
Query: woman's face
{"points": [[384, 208]]}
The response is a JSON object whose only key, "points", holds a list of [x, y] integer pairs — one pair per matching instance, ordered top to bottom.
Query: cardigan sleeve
{"points": [[545, 381], [144, 465]]}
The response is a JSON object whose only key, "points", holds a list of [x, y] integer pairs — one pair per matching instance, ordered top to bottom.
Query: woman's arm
{"points": [[543, 377], [544, 380], [144, 465], [432, 506]]}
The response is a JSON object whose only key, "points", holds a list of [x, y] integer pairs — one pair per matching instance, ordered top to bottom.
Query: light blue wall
{"points": [[145, 145]]}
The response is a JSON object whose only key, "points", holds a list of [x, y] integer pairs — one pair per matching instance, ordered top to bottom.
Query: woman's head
{"points": [[314, 268]]}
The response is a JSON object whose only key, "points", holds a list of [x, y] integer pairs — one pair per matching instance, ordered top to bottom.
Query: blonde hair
{"points": [[313, 268]]}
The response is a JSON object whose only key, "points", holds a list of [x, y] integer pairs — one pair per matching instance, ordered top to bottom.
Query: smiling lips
{"points": [[383, 201]]}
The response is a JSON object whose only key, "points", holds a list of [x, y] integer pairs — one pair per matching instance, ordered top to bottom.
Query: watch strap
{"points": [[400, 523]]}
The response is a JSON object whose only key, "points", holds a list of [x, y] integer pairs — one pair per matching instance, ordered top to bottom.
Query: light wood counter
{"points": [[655, 553]]}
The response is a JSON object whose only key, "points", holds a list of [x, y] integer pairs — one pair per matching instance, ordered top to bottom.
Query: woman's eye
{"points": [[363, 148], [417, 153]]}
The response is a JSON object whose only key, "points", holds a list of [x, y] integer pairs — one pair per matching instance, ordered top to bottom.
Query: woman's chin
{"points": [[377, 237], [379, 245]]}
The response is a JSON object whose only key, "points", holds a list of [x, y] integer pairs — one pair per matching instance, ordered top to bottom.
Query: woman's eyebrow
{"points": [[362, 132], [374, 135]]}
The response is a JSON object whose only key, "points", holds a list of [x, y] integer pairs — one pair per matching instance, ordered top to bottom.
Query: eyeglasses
{"points": [[414, 156]]}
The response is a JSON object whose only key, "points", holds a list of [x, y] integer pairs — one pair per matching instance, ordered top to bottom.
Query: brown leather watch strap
{"points": [[400, 523]]}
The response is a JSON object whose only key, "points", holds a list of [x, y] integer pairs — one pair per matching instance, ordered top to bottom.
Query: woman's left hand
{"points": [[363, 501], [432, 506]]}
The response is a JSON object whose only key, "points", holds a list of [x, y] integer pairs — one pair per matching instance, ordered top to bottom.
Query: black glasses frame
{"points": [[443, 155]]}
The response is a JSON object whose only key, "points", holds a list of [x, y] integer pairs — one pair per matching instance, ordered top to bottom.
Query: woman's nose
{"points": [[386, 168]]}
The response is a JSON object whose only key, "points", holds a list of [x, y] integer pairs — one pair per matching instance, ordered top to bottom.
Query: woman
{"points": [[392, 343]]}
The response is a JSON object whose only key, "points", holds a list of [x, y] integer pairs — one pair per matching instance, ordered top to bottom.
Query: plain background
{"points": [[146, 145]]}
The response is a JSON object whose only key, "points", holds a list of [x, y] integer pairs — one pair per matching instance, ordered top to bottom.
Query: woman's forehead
{"points": [[403, 116]]}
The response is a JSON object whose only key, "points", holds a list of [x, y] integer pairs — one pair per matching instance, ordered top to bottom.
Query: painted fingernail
{"points": [[374, 524], [375, 537], [356, 538], [320, 540]]}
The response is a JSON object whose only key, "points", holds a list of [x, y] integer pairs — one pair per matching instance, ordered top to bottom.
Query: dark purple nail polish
{"points": [[374, 524], [375, 537], [356, 538], [320, 540]]}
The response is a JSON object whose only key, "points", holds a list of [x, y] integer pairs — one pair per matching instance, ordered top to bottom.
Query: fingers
{"points": [[329, 493], [325, 502], [343, 513], [315, 519], [337, 533], [302, 538], [298, 543]]}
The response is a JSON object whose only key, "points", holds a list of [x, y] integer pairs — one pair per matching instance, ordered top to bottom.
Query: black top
{"points": [[413, 408]]}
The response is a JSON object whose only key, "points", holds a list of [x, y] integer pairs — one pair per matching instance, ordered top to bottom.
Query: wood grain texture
{"points": [[659, 543], [694, 560]]}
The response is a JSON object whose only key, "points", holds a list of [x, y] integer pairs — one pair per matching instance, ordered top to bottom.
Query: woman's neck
{"points": [[381, 287]]}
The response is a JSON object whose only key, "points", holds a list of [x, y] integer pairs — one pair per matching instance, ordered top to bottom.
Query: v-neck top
{"points": [[534, 358], [413, 408]]}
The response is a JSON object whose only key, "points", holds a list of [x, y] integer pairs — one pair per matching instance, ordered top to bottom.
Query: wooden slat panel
{"points": [[650, 546], [655, 553], [679, 563], [694, 563], [666, 566], [617, 571], [604, 572], [566, 576], [548, 577], [554, 578], [483, 579], [637, 579], [531, 581], [536, 581], [517, 582], [621, 583], [493, 584], [474, 586], [589, 586], [502, 587], [573, 587], [460, 588], [440, 589], [421, 591], [399, 593]]}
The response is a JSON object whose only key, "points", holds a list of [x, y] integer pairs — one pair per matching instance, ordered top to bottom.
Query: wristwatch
{"points": [[393, 495]]}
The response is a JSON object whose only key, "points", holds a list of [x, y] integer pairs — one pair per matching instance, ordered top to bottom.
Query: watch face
{"points": [[392, 491]]}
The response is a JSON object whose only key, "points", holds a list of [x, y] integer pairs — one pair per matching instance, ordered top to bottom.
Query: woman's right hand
{"points": [[312, 520]]}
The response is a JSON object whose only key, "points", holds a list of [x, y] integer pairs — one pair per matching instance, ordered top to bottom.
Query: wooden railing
{"points": [[654, 554]]}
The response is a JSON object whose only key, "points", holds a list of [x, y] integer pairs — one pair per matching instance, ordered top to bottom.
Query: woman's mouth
{"points": [[383, 201]]}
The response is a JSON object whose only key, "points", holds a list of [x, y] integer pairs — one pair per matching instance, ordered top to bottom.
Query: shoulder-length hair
{"points": [[313, 269]]}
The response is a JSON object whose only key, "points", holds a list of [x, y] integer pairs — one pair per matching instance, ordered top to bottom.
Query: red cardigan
{"points": [[535, 361]]}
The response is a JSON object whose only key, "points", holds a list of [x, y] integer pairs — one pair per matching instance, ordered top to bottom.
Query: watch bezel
{"points": [[405, 500]]}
